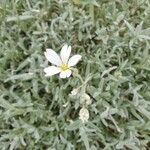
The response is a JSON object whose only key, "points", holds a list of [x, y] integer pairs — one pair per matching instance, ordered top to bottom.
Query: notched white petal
{"points": [[65, 53], [53, 57], [74, 60], [51, 70], [68, 73], [65, 74]]}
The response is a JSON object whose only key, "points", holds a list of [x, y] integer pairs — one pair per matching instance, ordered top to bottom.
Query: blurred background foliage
{"points": [[113, 38]]}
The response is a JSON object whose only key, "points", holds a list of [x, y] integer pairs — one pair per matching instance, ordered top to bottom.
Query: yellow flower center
{"points": [[64, 67]]}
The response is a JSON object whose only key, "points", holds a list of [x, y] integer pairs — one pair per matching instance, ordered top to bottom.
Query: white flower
{"points": [[62, 64], [84, 115]]}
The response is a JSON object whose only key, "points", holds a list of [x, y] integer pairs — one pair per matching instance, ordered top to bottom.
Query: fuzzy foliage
{"points": [[37, 112]]}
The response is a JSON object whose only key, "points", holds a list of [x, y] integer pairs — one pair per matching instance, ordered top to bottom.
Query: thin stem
{"points": [[91, 10]]}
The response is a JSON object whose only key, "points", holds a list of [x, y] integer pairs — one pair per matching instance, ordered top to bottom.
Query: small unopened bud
{"points": [[75, 72], [74, 92], [85, 100], [88, 100], [65, 105], [84, 115]]}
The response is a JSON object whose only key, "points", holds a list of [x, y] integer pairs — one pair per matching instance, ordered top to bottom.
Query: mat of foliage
{"points": [[37, 112]]}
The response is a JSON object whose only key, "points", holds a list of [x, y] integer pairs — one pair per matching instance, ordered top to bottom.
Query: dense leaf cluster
{"points": [[113, 38]]}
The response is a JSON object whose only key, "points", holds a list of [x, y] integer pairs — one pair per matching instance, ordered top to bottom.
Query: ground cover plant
{"points": [[104, 104]]}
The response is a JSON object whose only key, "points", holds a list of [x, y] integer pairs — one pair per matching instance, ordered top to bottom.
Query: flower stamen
{"points": [[64, 67]]}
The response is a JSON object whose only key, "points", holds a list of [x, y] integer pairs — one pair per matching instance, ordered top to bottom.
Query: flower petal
{"points": [[65, 53], [53, 57], [74, 60], [51, 70], [65, 74]]}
